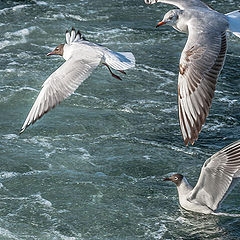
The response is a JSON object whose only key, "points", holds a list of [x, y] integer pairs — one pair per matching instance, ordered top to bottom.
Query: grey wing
{"points": [[182, 4], [200, 64], [60, 84], [218, 176]]}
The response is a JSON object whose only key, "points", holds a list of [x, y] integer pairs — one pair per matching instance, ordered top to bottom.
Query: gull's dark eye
{"points": [[170, 18], [57, 49], [176, 178]]}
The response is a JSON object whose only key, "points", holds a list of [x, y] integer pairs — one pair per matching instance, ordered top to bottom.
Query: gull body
{"points": [[82, 57], [202, 58], [218, 176]]}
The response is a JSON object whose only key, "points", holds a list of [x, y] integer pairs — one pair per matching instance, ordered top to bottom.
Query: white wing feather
{"points": [[182, 4], [60, 84], [218, 176]]}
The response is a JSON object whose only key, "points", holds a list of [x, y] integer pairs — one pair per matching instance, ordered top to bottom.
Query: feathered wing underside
{"points": [[182, 4], [234, 22], [118, 60], [201, 62], [60, 84], [218, 176]]}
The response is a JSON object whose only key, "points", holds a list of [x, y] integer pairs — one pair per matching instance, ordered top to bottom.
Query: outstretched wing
{"points": [[182, 4], [200, 65], [60, 84], [219, 173]]}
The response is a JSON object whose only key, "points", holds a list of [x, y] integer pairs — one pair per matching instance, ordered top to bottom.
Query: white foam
{"points": [[40, 3], [19, 7], [15, 8], [76, 17], [21, 34], [10, 136], [41, 141], [4, 175], [42, 200], [6, 233], [157, 234]]}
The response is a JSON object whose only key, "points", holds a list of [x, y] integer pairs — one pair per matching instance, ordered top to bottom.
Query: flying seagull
{"points": [[82, 57], [201, 60], [218, 176]]}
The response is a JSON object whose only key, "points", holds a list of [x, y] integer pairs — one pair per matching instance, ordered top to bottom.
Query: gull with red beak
{"points": [[82, 57], [202, 58], [219, 175]]}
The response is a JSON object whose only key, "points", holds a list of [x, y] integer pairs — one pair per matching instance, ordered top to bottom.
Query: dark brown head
{"points": [[57, 51], [176, 178]]}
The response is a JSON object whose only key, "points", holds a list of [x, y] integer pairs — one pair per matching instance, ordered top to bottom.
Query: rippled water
{"points": [[93, 167]]}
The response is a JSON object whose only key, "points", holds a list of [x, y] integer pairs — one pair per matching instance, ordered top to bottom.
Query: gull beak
{"points": [[160, 24], [51, 53], [167, 179]]}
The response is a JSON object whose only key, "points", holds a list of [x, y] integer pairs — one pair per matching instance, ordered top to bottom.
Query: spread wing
{"points": [[182, 4], [200, 64], [60, 84], [218, 175]]}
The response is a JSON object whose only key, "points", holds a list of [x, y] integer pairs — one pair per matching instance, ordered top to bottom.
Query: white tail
{"points": [[234, 22], [119, 60]]}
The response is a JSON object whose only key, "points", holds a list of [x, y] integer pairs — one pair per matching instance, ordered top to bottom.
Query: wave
{"points": [[14, 8], [19, 34], [7, 234]]}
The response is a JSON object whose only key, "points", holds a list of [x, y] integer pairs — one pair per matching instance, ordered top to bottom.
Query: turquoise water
{"points": [[92, 168]]}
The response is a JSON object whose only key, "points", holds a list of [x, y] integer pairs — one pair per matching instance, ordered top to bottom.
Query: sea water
{"points": [[92, 168]]}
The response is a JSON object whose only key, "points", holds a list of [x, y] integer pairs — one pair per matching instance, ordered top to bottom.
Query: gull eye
{"points": [[171, 17], [57, 49], [176, 178]]}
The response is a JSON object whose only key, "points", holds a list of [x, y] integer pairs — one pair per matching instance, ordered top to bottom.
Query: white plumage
{"points": [[82, 57], [201, 60], [218, 176]]}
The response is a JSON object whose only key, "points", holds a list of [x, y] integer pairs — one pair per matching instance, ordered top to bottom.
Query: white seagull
{"points": [[82, 57], [202, 58], [219, 175]]}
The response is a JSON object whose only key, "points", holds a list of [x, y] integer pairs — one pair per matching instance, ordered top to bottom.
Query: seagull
{"points": [[82, 57], [202, 58], [218, 176]]}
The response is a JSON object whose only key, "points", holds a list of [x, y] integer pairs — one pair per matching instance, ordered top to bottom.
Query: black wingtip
{"points": [[21, 131]]}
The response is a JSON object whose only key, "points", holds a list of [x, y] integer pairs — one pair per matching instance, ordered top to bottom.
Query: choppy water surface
{"points": [[93, 167]]}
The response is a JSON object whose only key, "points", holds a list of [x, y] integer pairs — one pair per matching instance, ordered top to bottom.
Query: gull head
{"points": [[170, 18], [57, 51], [176, 178]]}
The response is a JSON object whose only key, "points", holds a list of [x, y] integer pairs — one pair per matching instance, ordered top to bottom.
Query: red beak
{"points": [[160, 24], [51, 53], [167, 179]]}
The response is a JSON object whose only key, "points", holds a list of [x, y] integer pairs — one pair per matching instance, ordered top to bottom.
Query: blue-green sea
{"points": [[92, 168]]}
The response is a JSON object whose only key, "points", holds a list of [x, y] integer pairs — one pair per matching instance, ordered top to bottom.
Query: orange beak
{"points": [[160, 24]]}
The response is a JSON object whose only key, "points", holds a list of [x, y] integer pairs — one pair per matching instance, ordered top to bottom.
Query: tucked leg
{"points": [[114, 75]]}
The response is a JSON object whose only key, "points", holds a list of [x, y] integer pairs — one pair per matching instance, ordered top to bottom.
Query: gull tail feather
{"points": [[234, 22], [119, 60], [226, 214]]}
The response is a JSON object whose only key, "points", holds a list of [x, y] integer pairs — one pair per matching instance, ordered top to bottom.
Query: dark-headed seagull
{"points": [[82, 57], [218, 176]]}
